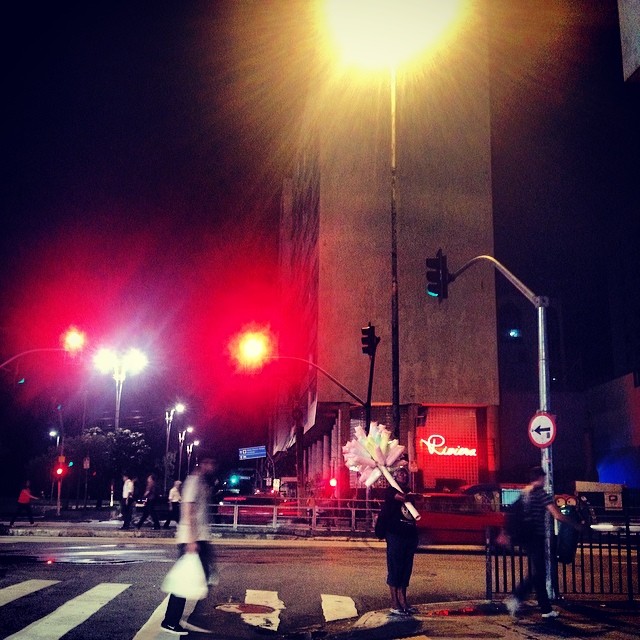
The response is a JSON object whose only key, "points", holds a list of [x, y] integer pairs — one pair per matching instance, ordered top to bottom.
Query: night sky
{"points": [[144, 144]]}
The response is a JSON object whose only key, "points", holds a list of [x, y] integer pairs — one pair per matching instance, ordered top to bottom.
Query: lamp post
{"points": [[386, 35], [72, 342], [109, 361], [168, 419], [54, 434], [181, 436], [190, 446]]}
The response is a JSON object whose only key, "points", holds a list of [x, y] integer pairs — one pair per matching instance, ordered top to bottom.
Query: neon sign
{"points": [[436, 446]]}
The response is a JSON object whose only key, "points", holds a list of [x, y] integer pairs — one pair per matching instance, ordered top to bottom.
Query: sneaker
{"points": [[512, 603], [410, 610], [397, 612], [550, 614], [175, 629]]}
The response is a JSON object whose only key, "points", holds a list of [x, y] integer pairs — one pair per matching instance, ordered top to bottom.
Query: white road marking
{"points": [[15, 591], [337, 607], [71, 613], [264, 620]]}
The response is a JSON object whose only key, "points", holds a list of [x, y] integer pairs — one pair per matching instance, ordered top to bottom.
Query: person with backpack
{"points": [[535, 503]]}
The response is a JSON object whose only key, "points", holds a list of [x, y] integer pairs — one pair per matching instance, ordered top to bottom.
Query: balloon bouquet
{"points": [[374, 455]]}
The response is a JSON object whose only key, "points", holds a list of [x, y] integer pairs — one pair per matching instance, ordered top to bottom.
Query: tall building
{"points": [[336, 274]]}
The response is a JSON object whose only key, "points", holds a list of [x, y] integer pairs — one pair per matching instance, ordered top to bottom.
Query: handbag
{"points": [[380, 527], [186, 579]]}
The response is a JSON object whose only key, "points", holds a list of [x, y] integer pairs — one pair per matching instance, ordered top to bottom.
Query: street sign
{"points": [[542, 429], [251, 453], [86, 462]]}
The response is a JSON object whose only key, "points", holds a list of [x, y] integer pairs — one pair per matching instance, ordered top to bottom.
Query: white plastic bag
{"points": [[186, 578]]}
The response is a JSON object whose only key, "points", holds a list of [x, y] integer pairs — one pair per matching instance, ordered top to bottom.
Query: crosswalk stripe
{"points": [[15, 591], [337, 607], [71, 613], [264, 620]]}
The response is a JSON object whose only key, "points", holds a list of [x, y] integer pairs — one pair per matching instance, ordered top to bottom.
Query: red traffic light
{"points": [[59, 471]]}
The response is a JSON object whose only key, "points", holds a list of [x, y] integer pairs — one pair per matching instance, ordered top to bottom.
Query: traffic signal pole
{"points": [[546, 455]]}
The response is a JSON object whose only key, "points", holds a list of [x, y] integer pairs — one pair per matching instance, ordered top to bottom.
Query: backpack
{"points": [[519, 526]]}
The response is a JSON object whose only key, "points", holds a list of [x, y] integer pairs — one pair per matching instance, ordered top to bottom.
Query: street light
{"points": [[386, 34], [72, 342], [252, 349], [109, 361], [168, 419], [55, 434], [181, 436], [190, 446]]}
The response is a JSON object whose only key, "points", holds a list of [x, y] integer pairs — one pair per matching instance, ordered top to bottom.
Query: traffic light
{"points": [[438, 276], [369, 340], [59, 470]]}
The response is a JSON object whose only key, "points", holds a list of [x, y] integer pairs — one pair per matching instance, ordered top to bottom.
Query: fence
{"points": [[313, 516], [607, 562]]}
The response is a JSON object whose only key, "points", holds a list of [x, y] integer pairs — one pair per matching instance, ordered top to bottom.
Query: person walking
{"points": [[150, 497], [127, 501], [24, 503], [174, 503], [537, 504], [192, 534], [401, 535]]}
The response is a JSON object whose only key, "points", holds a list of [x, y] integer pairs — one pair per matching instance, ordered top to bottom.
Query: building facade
{"points": [[335, 265]]}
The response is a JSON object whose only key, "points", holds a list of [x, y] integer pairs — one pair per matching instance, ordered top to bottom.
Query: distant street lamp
{"points": [[384, 35], [72, 342], [131, 362], [168, 419], [55, 434], [181, 437], [190, 446]]}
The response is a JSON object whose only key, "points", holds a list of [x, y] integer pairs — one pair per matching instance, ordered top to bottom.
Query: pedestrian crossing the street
{"points": [[261, 609]]}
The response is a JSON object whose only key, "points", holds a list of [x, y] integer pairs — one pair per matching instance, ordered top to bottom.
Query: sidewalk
{"points": [[490, 620]]}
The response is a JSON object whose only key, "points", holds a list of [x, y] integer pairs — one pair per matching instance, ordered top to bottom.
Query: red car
{"points": [[460, 517]]}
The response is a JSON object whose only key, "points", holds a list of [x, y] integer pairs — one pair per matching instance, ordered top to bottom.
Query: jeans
{"points": [[537, 578]]}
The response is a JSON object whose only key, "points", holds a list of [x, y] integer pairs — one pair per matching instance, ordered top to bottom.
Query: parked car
{"points": [[460, 517]]}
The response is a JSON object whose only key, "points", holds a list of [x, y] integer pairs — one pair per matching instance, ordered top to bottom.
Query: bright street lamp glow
{"points": [[384, 33], [73, 340], [251, 349], [108, 361], [134, 361]]}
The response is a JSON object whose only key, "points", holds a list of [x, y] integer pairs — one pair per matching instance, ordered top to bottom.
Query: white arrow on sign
{"points": [[542, 429]]}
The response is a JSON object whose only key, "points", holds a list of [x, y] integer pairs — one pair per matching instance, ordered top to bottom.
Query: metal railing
{"points": [[309, 516], [607, 562]]}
